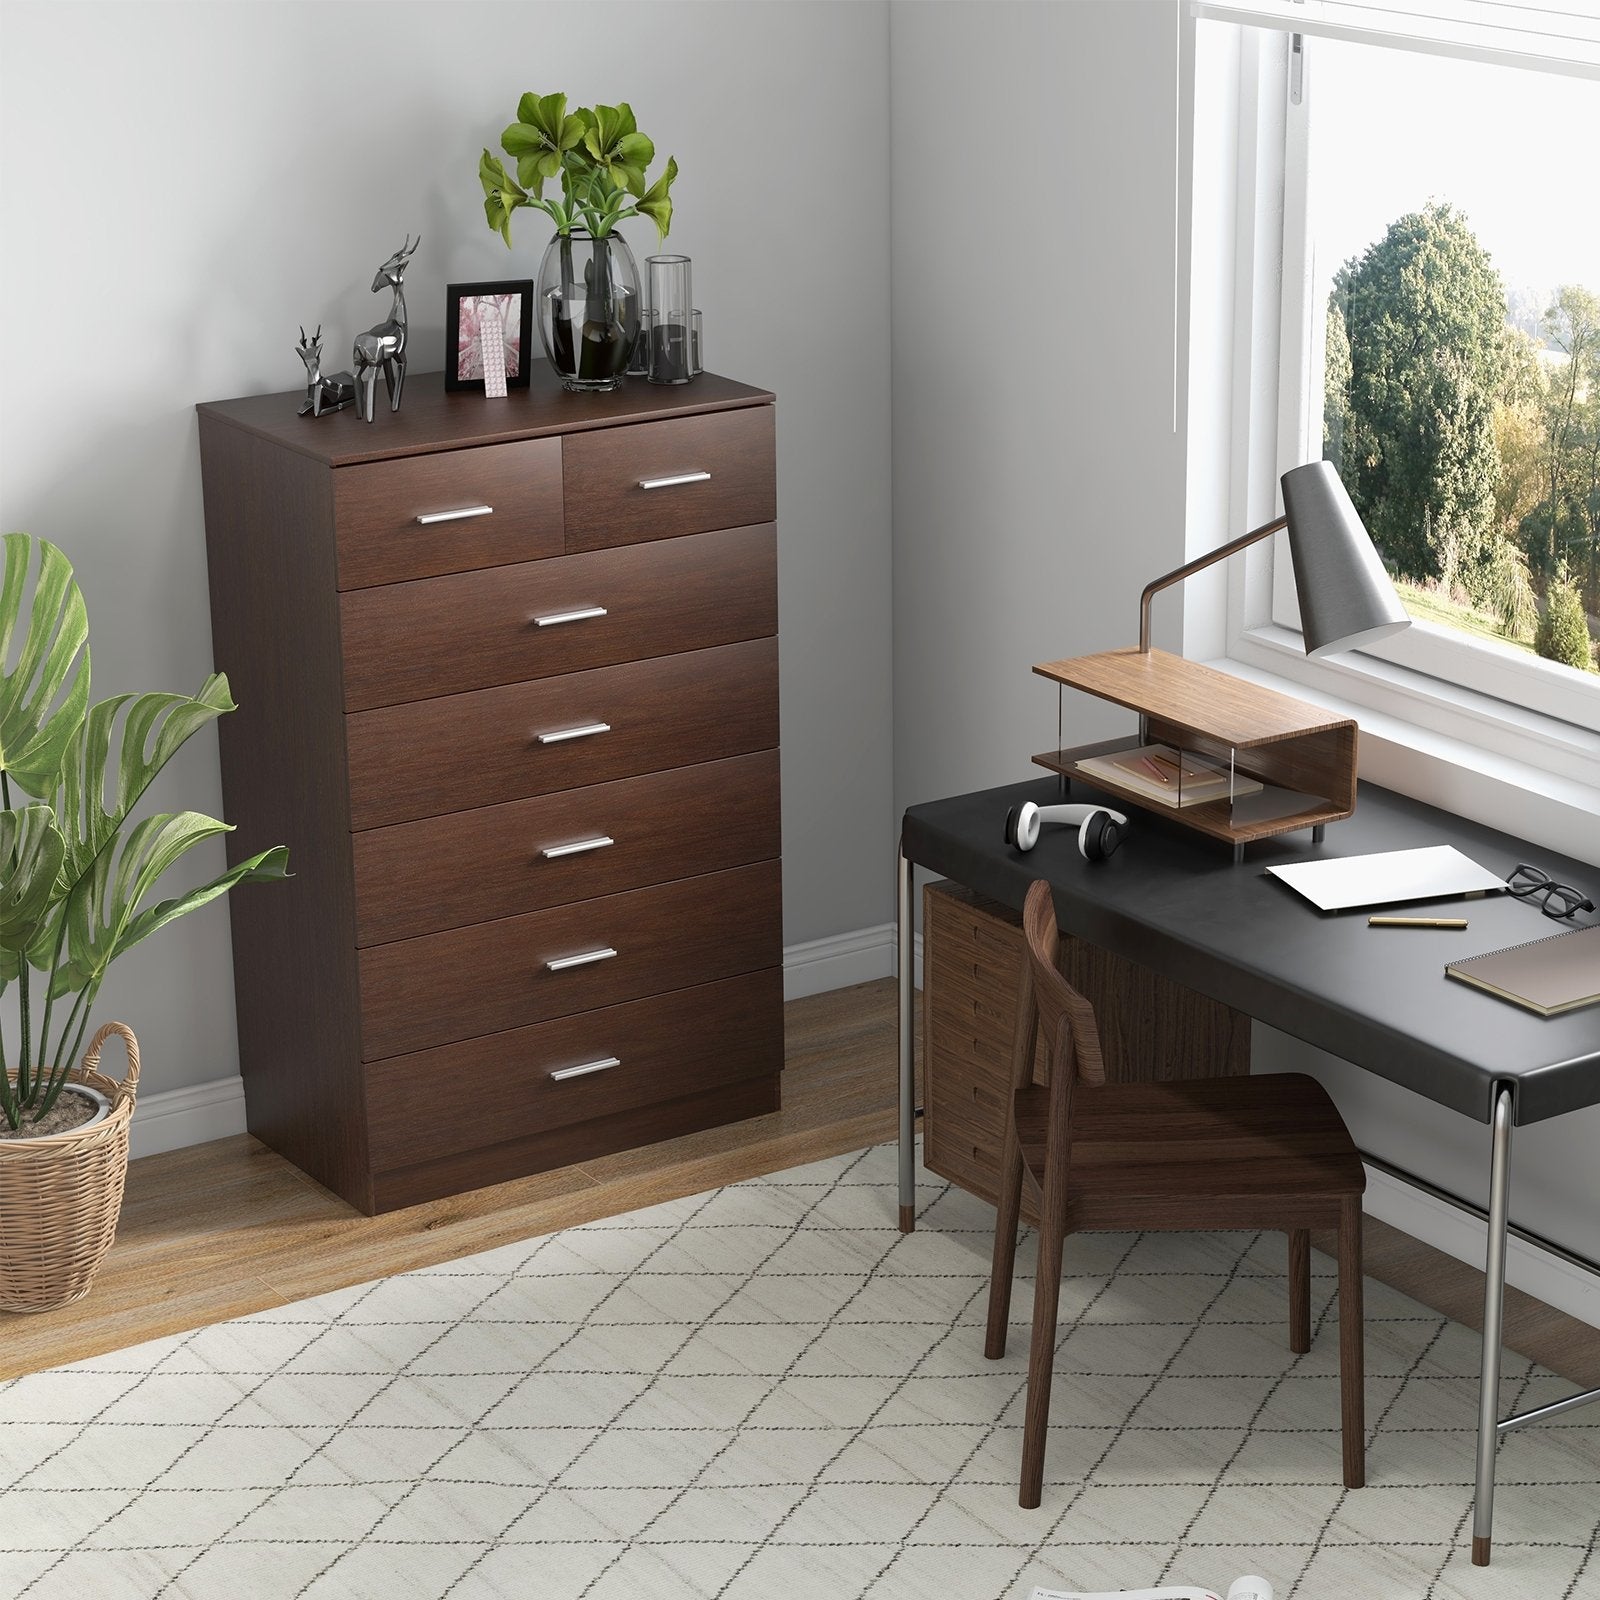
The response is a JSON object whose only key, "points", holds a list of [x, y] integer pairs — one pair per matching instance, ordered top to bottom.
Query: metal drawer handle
{"points": [[676, 478], [455, 516], [557, 617], [563, 734], [552, 852], [561, 963], [587, 1067]]}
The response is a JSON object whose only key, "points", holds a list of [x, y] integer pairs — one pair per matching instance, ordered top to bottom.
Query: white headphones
{"points": [[1100, 829]]}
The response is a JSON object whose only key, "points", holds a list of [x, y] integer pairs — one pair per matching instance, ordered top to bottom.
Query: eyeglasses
{"points": [[1561, 900]]}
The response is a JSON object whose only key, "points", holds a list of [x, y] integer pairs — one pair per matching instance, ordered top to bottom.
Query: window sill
{"points": [[1516, 771]]}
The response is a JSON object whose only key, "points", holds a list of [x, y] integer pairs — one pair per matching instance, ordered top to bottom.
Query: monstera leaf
{"points": [[42, 698], [31, 853], [103, 915]]}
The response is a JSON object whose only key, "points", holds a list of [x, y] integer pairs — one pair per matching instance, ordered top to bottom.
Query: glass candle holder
{"points": [[671, 320]]}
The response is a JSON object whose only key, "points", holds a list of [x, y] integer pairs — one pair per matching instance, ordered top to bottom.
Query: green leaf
{"points": [[656, 203], [44, 697], [31, 852], [103, 919]]}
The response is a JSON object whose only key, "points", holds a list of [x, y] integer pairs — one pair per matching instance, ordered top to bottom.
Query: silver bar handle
{"points": [[676, 478], [429, 517], [556, 618], [563, 734], [553, 852], [561, 963], [583, 1070]]}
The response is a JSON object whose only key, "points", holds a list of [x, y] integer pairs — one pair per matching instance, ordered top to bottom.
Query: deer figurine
{"points": [[385, 345], [322, 394]]}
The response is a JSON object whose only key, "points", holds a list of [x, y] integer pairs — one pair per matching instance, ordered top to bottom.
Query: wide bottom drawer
{"points": [[495, 976], [436, 1103]]}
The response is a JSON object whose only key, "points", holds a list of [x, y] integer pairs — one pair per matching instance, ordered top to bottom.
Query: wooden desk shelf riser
{"points": [[1262, 734]]}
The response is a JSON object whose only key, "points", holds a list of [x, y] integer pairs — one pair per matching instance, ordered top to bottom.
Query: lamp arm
{"points": [[1199, 564]]}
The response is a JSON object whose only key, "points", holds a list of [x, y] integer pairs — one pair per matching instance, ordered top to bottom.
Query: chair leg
{"points": [[1001, 1272], [1300, 1290], [1041, 1358], [1352, 1377]]}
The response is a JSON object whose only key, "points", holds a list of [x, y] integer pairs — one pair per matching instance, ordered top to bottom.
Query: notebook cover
{"points": [[1559, 973]]}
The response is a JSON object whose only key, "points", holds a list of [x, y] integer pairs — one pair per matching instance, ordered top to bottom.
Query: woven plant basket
{"points": [[60, 1196]]}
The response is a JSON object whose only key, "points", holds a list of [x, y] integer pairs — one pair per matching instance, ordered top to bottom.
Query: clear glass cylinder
{"points": [[671, 318]]}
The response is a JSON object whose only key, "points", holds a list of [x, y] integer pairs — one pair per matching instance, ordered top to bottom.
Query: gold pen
{"points": [[1416, 922]]}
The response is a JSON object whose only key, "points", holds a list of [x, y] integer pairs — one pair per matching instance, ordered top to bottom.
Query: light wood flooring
{"points": [[222, 1229]]}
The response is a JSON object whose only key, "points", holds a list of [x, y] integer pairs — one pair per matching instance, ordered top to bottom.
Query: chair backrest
{"points": [[1050, 1003]]}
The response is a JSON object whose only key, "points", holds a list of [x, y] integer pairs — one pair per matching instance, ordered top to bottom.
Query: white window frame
{"points": [[1490, 697]]}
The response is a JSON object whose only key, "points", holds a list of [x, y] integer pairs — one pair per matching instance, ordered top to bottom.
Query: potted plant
{"points": [[588, 288], [75, 875]]}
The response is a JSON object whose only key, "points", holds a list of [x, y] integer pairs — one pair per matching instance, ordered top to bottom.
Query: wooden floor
{"points": [[222, 1229]]}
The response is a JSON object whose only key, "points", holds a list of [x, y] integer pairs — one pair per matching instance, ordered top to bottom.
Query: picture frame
{"points": [[461, 357]]}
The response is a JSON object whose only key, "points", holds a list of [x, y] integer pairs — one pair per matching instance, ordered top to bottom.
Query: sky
{"points": [[1515, 150]]}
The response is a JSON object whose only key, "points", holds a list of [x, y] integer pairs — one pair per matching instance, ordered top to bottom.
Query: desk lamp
{"points": [[1346, 599], [1298, 760]]}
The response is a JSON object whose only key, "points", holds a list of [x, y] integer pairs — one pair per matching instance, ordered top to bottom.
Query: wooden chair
{"points": [[1240, 1152]]}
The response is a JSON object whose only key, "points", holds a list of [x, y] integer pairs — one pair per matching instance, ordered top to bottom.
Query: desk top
{"points": [[1377, 997]]}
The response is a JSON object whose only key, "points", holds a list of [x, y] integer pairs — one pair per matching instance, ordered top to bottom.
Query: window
{"points": [[1438, 338]]}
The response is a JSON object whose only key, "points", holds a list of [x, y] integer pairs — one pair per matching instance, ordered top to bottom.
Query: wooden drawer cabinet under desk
{"points": [[469, 642], [1150, 1027]]}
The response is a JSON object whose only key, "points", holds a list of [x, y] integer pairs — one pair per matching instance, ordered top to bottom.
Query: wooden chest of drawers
{"points": [[514, 709]]}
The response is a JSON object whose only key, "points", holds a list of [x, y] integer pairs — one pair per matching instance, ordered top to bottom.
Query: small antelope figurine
{"points": [[385, 345], [322, 394]]}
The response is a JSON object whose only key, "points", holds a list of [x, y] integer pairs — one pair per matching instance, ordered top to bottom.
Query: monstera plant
{"points": [[588, 286], [76, 871]]}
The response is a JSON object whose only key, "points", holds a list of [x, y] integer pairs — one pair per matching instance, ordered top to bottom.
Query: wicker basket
{"points": [[60, 1196]]}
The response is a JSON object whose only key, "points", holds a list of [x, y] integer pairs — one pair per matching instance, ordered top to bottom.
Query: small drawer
{"points": [[655, 480], [452, 511], [471, 630], [463, 751], [500, 861], [494, 976], [531, 1080]]}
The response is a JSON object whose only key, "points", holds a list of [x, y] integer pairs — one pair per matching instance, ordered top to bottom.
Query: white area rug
{"points": [[769, 1392]]}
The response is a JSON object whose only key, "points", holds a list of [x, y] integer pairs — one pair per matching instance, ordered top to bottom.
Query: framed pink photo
{"points": [[476, 310]]}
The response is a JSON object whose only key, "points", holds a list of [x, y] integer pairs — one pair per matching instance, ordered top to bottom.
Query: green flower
{"points": [[540, 136]]}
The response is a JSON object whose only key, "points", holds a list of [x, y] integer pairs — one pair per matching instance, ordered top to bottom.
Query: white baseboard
{"points": [[819, 965], [178, 1117], [1546, 1277]]}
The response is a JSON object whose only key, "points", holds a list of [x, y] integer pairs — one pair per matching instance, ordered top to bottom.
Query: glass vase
{"points": [[588, 294], [671, 358]]}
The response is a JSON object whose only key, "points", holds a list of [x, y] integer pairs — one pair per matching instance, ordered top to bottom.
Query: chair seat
{"points": [[1211, 1152]]}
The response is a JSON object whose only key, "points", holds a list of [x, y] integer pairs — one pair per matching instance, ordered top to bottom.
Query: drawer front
{"points": [[617, 488], [377, 507], [472, 630], [460, 752], [474, 866], [495, 976], [507, 1086]]}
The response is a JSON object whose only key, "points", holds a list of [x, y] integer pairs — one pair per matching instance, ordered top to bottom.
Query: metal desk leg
{"points": [[908, 1050], [1494, 1294]]}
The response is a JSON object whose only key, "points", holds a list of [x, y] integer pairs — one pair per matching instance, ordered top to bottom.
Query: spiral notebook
{"points": [[1549, 976]]}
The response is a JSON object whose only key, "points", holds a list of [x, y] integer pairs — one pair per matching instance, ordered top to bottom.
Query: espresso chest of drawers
{"points": [[507, 685]]}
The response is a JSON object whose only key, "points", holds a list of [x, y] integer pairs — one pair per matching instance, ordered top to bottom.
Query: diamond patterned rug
{"points": [[768, 1391]]}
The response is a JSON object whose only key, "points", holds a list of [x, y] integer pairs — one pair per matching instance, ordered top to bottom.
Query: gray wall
{"points": [[182, 185], [1038, 482]]}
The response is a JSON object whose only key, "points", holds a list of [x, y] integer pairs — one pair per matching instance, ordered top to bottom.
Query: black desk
{"points": [[1177, 903]]}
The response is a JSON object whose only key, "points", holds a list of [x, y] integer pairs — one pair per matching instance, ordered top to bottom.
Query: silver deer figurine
{"points": [[385, 345], [322, 394]]}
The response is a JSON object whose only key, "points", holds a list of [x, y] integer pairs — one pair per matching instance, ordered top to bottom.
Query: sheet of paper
{"points": [[1393, 877]]}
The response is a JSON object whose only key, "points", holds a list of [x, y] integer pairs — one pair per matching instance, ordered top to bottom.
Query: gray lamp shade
{"points": [[1346, 599]]}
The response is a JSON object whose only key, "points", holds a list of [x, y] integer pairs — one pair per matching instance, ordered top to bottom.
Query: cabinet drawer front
{"points": [[724, 459], [377, 507], [471, 630], [463, 751], [474, 866], [495, 976], [486, 1091]]}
